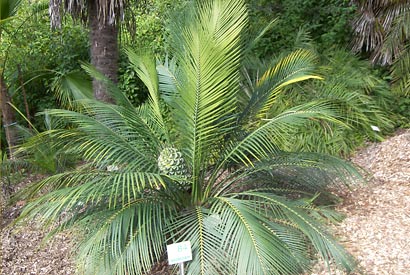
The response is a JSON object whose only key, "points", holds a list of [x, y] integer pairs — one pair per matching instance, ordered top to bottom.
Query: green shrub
{"points": [[327, 22], [42, 56], [360, 96]]}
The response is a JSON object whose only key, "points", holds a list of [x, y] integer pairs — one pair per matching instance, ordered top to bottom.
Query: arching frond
{"points": [[8, 8], [295, 67], [145, 68], [71, 87], [114, 92], [273, 134], [202, 229], [129, 239], [256, 247], [328, 249]]}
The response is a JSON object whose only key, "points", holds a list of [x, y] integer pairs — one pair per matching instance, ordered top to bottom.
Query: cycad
{"points": [[248, 207]]}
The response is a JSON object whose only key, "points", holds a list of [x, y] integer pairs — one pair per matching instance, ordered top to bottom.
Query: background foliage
{"points": [[327, 22], [42, 55]]}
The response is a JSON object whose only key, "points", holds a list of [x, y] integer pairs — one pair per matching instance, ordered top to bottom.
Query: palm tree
{"points": [[8, 9], [103, 18], [381, 28], [200, 161]]}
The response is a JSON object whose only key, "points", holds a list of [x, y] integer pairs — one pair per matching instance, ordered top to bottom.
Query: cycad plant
{"points": [[199, 161]]}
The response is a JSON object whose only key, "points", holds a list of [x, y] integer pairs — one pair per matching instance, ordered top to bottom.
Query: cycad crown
{"points": [[171, 162]]}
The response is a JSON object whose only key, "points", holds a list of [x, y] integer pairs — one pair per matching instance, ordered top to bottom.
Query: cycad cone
{"points": [[171, 162]]}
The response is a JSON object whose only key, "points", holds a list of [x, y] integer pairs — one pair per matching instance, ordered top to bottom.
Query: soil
{"points": [[376, 229]]}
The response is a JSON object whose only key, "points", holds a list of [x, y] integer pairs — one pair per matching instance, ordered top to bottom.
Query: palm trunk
{"points": [[104, 51], [8, 117]]}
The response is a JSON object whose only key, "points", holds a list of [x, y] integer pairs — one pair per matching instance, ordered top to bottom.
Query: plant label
{"points": [[375, 128], [179, 252]]}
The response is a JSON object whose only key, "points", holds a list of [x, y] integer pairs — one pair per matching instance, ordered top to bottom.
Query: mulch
{"points": [[376, 229]]}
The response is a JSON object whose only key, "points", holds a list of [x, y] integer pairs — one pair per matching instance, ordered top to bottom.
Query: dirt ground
{"points": [[376, 229]]}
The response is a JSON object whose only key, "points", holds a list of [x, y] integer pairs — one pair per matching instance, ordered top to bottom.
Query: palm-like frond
{"points": [[8, 8], [379, 28], [209, 58], [295, 67], [145, 68], [400, 72], [70, 87], [112, 89], [355, 95], [272, 136], [246, 205], [130, 238], [255, 246]]}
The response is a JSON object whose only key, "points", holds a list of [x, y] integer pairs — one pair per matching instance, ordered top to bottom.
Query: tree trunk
{"points": [[104, 51], [23, 90], [8, 117]]}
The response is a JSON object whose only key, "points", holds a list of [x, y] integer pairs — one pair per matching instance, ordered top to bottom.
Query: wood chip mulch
{"points": [[376, 229]]}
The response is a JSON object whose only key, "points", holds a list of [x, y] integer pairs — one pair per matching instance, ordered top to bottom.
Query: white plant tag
{"points": [[375, 128], [179, 252]]}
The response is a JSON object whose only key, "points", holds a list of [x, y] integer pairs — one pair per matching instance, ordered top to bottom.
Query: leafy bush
{"points": [[326, 21], [50, 53], [361, 98], [201, 160]]}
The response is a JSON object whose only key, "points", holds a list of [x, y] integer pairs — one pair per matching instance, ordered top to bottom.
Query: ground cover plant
{"points": [[201, 160]]}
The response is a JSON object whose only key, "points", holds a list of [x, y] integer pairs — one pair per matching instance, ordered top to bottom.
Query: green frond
{"points": [[8, 8], [254, 41], [208, 54], [295, 67], [145, 68], [168, 80], [71, 87], [114, 92], [357, 96], [274, 133], [105, 135], [303, 174], [98, 188], [202, 228], [127, 241], [255, 247], [329, 250]]}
